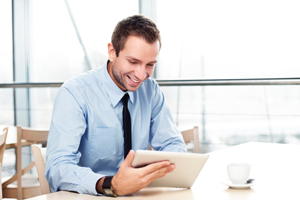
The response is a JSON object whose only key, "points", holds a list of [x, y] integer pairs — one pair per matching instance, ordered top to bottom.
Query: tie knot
{"points": [[125, 98]]}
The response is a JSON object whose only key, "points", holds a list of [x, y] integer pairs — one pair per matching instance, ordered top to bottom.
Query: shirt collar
{"points": [[115, 94]]}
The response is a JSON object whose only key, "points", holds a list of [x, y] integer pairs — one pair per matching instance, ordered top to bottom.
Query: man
{"points": [[86, 140]]}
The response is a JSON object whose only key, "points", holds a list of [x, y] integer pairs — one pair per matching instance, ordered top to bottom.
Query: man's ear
{"points": [[111, 52]]}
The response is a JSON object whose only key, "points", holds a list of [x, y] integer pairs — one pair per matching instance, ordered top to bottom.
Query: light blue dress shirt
{"points": [[86, 140]]}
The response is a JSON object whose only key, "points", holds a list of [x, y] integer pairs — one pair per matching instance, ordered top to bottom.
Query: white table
{"points": [[276, 167]]}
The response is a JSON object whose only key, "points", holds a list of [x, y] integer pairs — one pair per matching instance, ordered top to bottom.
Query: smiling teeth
{"points": [[133, 80]]}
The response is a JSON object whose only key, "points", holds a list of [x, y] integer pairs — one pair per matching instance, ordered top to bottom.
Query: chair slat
{"points": [[35, 135]]}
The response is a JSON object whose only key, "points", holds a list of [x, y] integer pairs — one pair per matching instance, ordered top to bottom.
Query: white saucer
{"points": [[238, 186]]}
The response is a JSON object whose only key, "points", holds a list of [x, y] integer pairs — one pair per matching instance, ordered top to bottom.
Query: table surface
{"points": [[276, 168]]}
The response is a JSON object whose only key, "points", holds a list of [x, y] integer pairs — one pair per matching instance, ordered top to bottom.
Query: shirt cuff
{"points": [[90, 181]]}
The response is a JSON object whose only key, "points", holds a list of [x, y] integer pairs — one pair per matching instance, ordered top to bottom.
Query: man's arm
{"points": [[67, 127], [164, 135]]}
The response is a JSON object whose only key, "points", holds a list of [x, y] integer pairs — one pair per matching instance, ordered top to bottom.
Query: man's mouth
{"points": [[136, 81]]}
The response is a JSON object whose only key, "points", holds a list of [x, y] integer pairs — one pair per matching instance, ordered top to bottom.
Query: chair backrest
{"points": [[29, 135], [32, 135], [192, 135], [25, 136], [2, 148], [39, 155]]}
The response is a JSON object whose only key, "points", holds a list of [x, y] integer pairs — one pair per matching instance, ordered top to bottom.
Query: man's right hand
{"points": [[129, 180]]}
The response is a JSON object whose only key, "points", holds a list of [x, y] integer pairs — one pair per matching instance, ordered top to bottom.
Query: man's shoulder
{"points": [[83, 80], [150, 84], [148, 90]]}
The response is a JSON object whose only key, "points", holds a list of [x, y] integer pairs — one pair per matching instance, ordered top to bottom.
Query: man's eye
{"points": [[132, 62]]}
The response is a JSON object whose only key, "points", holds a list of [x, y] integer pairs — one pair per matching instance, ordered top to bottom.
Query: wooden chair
{"points": [[192, 135], [2, 148], [39, 155], [27, 184]]}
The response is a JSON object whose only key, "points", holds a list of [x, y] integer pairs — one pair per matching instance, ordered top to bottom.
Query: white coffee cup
{"points": [[238, 173]]}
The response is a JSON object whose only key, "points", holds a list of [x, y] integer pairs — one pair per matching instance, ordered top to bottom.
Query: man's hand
{"points": [[129, 180]]}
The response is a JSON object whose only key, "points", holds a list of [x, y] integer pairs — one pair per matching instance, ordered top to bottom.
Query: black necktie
{"points": [[126, 126]]}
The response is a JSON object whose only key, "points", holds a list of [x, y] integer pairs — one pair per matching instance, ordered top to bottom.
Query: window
{"points": [[229, 39], [232, 39], [6, 74]]}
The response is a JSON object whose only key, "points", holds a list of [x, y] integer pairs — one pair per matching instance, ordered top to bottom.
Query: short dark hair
{"points": [[136, 25]]}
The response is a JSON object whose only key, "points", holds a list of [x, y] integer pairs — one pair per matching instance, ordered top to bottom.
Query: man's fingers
{"points": [[129, 158], [156, 166], [153, 167], [171, 167], [160, 173]]}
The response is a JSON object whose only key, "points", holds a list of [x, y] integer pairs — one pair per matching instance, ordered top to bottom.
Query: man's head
{"points": [[136, 25], [133, 52]]}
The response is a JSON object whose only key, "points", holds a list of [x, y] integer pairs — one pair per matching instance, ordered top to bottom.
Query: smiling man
{"points": [[88, 146]]}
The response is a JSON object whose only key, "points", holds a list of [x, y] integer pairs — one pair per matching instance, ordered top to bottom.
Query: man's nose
{"points": [[141, 72]]}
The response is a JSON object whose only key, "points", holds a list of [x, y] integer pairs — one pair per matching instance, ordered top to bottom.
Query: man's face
{"points": [[134, 64]]}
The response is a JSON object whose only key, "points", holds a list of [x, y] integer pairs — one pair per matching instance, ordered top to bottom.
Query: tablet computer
{"points": [[188, 167]]}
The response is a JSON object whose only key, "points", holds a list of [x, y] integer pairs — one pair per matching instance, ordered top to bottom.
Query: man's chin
{"points": [[132, 88]]}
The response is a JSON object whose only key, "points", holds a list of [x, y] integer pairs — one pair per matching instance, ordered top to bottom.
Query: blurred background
{"points": [[44, 41]]}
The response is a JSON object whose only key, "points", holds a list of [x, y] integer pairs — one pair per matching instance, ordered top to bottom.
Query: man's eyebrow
{"points": [[132, 58], [135, 59], [155, 61]]}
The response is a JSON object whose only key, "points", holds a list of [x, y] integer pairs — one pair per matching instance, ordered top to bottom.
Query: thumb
{"points": [[129, 158]]}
